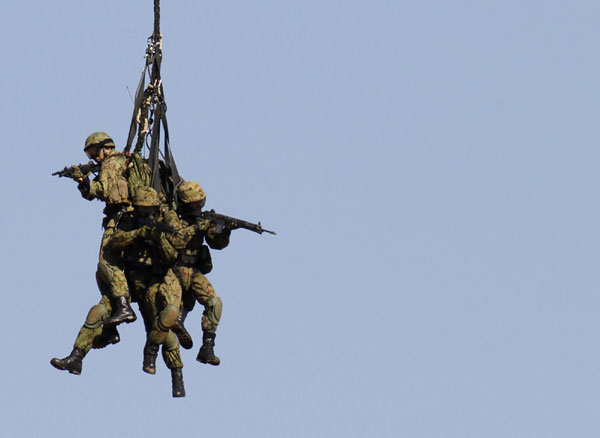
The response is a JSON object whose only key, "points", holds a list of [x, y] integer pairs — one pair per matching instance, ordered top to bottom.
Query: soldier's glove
{"points": [[76, 173], [84, 185], [202, 225], [144, 232], [155, 234]]}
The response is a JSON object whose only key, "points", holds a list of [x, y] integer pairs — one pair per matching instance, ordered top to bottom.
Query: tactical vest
{"points": [[138, 174], [114, 176]]}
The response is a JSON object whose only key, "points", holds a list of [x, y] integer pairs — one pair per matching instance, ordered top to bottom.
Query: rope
{"points": [[157, 19]]}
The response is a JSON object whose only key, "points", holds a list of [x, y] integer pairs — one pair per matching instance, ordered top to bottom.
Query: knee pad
{"points": [[214, 309], [96, 315], [168, 317]]}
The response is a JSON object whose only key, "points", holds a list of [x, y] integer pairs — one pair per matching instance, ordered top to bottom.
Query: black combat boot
{"points": [[122, 313], [109, 335], [185, 339], [207, 353], [150, 354], [72, 363], [177, 382]]}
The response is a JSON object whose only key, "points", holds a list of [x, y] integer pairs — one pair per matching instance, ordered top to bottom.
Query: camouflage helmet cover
{"points": [[99, 139], [190, 191], [146, 197]]}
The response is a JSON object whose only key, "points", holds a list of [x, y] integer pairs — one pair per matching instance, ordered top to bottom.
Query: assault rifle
{"points": [[69, 171], [150, 222], [221, 222]]}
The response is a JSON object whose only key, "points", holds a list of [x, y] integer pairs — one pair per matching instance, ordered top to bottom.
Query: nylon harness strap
{"points": [[152, 67], [139, 94]]}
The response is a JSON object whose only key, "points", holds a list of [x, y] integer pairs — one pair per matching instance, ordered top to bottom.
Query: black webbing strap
{"points": [[153, 64], [139, 94], [154, 149], [169, 160], [170, 163]]}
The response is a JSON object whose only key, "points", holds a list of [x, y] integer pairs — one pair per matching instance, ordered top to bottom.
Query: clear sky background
{"points": [[431, 169]]}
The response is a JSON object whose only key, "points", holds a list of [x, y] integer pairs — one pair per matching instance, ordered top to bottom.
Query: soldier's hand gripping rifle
{"points": [[78, 171], [150, 222], [223, 222]]}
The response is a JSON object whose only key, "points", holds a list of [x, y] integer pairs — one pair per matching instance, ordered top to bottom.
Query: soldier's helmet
{"points": [[98, 139], [190, 191], [146, 197]]}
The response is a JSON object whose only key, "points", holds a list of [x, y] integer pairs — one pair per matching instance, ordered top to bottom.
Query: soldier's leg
{"points": [[109, 274], [184, 275], [112, 276], [163, 300], [146, 302], [167, 302], [160, 304], [213, 308], [89, 333], [172, 357]]}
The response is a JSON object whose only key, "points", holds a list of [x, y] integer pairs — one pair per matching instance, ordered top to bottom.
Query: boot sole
{"points": [[109, 324], [107, 343], [209, 362]]}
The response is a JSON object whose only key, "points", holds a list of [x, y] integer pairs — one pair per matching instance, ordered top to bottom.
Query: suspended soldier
{"points": [[111, 185], [148, 257], [193, 262]]}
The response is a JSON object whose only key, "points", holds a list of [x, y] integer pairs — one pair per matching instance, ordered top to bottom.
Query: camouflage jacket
{"points": [[111, 183], [192, 233], [143, 248]]}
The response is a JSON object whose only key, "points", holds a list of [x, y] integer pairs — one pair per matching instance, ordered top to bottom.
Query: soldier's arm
{"points": [[90, 189], [184, 233], [122, 239], [217, 240], [166, 251]]}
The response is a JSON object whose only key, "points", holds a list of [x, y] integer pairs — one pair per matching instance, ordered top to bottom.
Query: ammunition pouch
{"points": [[187, 260], [201, 261], [205, 263]]}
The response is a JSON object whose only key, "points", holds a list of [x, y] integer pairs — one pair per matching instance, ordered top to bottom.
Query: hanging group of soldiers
{"points": [[155, 245], [153, 253]]}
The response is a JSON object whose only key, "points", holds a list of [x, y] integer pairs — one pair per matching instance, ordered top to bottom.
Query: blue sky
{"points": [[430, 168]]}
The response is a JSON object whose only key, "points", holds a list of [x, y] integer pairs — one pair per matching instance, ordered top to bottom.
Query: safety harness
{"points": [[149, 117]]}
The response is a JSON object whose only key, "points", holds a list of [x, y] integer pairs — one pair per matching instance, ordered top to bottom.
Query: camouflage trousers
{"points": [[110, 278], [112, 283], [196, 287], [159, 299], [159, 303], [91, 330]]}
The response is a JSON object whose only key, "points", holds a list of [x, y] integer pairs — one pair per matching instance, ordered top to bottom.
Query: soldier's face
{"points": [[96, 154], [101, 155], [195, 206], [146, 211]]}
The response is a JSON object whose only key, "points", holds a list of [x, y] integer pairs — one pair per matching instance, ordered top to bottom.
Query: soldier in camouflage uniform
{"points": [[111, 185], [148, 256], [193, 262]]}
